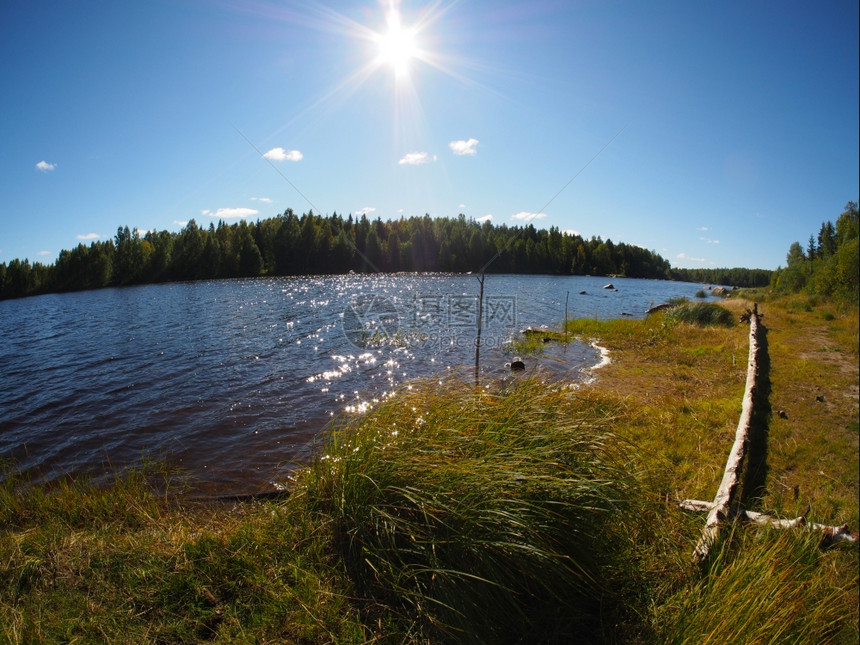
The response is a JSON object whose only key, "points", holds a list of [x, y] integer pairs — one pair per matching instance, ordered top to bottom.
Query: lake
{"points": [[234, 381]]}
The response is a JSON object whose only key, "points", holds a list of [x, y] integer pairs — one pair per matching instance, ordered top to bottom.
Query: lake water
{"points": [[235, 380]]}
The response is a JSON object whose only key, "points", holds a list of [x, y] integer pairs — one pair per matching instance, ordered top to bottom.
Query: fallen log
{"points": [[731, 476], [722, 508], [832, 534]]}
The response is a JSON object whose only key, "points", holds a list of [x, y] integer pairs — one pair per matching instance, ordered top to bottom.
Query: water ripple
{"points": [[234, 380]]}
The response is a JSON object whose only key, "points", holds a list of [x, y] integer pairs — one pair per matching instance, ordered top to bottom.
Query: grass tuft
{"points": [[702, 314], [484, 515]]}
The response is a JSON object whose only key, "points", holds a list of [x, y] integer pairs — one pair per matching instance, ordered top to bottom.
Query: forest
{"points": [[307, 244], [829, 265], [736, 277]]}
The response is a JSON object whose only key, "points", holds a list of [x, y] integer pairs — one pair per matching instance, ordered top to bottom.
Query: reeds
{"points": [[703, 314], [484, 515], [764, 586]]}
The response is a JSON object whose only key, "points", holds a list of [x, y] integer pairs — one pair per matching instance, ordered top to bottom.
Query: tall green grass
{"points": [[703, 314], [488, 517], [764, 586]]}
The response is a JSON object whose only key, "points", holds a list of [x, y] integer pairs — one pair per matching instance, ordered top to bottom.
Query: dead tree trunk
{"points": [[726, 492], [724, 507], [830, 534]]}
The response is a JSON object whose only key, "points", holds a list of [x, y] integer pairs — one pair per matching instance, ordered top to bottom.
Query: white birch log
{"points": [[734, 463], [696, 505], [721, 508], [831, 533]]}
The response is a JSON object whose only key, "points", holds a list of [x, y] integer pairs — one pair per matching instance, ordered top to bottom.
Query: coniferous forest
{"points": [[307, 244], [829, 265]]}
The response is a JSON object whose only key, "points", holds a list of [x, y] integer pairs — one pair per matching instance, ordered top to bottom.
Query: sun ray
{"points": [[400, 43], [330, 101]]}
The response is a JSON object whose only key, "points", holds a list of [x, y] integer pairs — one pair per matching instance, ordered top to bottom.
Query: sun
{"points": [[397, 46]]}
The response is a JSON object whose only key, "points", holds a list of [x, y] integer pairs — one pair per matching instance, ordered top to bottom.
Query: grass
{"points": [[699, 313], [682, 386], [814, 442], [509, 513], [483, 514], [125, 564], [760, 588]]}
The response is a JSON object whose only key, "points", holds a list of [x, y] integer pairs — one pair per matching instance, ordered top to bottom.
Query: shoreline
{"points": [[604, 356], [449, 460]]}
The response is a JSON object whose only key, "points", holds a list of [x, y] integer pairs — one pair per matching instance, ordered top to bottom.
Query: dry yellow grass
{"points": [[684, 385]]}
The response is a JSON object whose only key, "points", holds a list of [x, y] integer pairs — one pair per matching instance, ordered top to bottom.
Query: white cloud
{"points": [[464, 148], [279, 154], [416, 159], [44, 166], [265, 200], [461, 206], [367, 210], [230, 213], [523, 215], [485, 218], [181, 223], [702, 228], [571, 232], [89, 236], [709, 241], [43, 253], [684, 256]]}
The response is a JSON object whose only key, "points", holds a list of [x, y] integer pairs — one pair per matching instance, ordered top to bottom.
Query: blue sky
{"points": [[738, 121]]}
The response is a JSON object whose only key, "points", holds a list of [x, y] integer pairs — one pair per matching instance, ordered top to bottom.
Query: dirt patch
{"points": [[817, 345]]}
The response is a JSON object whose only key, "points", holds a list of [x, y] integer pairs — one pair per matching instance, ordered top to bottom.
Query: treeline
{"points": [[291, 244], [311, 244], [829, 265], [737, 277]]}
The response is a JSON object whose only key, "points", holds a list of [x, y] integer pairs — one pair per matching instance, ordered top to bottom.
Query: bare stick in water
{"points": [[478, 339]]}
